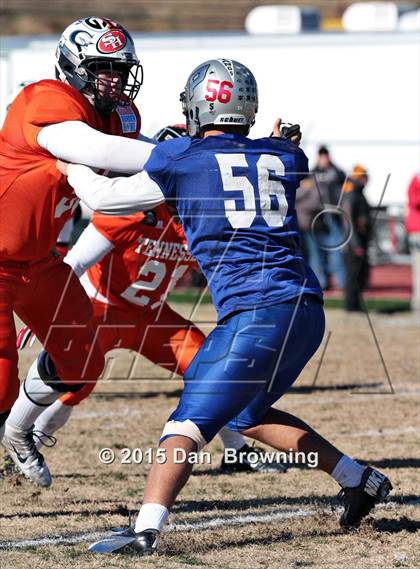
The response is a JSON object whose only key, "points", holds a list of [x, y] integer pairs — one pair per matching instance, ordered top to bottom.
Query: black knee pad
{"points": [[48, 374]]}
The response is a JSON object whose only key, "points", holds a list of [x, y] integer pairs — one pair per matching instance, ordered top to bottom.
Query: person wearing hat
{"points": [[357, 208]]}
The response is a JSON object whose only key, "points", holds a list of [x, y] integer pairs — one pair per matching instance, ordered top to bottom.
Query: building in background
{"points": [[25, 17]]}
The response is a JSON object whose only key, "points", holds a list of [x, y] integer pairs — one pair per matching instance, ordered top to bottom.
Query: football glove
{"points": [[169, 132], [25, 338]]}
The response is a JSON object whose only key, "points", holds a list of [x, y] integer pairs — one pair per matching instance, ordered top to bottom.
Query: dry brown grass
{"points": [[375, 426]]}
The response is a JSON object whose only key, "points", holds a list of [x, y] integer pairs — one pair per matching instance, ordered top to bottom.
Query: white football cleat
{"points": [[22, 449]]}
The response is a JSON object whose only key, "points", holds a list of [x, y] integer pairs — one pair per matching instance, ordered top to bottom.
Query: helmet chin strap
{"points": [[60, 75]]}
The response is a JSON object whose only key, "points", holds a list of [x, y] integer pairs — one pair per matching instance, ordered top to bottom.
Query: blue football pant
{"points": [[247, 363]]}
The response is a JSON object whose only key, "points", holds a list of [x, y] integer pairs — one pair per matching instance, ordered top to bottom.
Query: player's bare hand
{"points": [[276, 128], [62, 166]]}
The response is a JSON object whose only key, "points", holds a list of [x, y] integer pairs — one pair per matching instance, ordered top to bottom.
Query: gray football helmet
{"points": [[219, 92]]}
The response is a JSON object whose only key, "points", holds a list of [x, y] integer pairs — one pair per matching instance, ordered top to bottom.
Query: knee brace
{"points": [[48, 374], [186, 429]]}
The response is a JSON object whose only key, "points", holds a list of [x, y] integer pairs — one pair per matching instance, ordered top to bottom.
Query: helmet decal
{"points": [[99, 24], [80, 38], [111, 41], [229, 66], [196, 78]]}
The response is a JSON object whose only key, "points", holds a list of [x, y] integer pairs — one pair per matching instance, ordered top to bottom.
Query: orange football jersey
{"points": [[35, 199], [150, 255]]}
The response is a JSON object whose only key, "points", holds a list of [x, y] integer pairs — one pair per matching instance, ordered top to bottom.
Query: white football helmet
{"points": [[93, 45], [220, 92]]}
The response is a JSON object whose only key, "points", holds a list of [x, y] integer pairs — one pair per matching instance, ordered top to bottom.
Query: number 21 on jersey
{"points": [[270, 191], [152, 274]]}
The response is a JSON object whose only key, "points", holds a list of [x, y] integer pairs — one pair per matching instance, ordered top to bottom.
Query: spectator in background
{"points": [[329, 180], [308, 205], [357, 209], [412, 225]]}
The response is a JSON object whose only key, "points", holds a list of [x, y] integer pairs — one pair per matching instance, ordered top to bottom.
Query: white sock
{"points": [[34, 397], [53, 418], [2, 432], [231, 439], [347, 472], [151, 516]]}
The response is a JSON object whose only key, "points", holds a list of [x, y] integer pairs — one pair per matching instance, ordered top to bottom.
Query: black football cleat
{"points": [[249, 459], [359, 501], [128, 541], [146, 542]]}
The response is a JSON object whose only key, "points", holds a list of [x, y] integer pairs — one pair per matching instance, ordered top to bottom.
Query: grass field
{"points": [[242, 521]]}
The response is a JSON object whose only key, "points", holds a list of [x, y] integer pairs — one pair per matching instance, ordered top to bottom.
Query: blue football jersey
{"points": [[236, 200]]}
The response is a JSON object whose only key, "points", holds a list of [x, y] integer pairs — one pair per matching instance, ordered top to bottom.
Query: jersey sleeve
{"points": [[50, 106], [302, 168], [160, 169], [114, 196], [117, 229], [90, 248]]}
